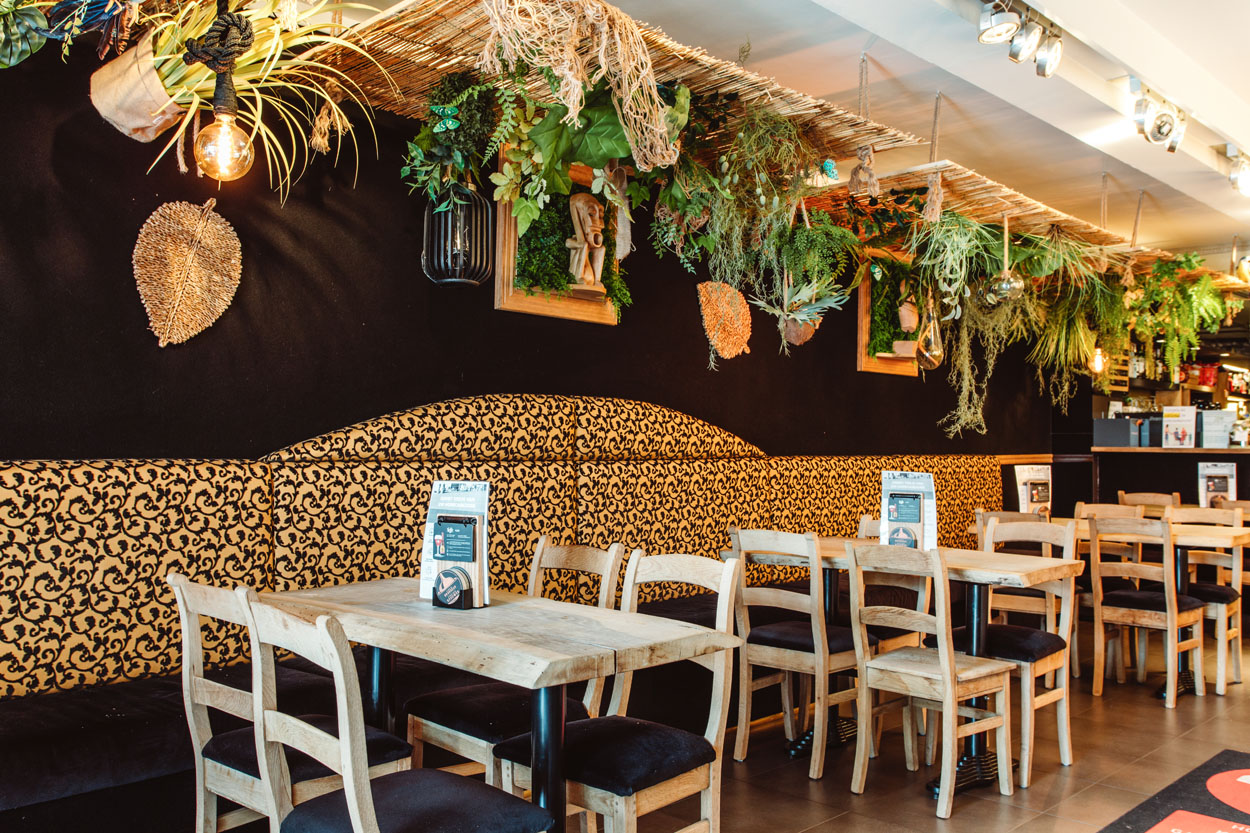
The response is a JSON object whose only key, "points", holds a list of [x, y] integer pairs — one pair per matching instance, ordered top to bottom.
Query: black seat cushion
{"points": [[1031, 592], [1212, 593], [1148, 600], [796, 635], [1013, 642], [491, 711], [58, 744], [237, 749], [621, 755], [424, 801]]}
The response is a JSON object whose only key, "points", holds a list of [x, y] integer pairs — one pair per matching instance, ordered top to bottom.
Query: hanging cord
{"points": [[228, 38], [329, 119], [863, 177], [1141, 198], [933, 202], [1102, 202]]}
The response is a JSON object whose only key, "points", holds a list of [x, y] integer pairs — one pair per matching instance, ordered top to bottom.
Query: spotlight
{"points": [[998, 23], [1025, 43], [1049, 54], [1144, 112], [1164, 126], [1240, 177]]}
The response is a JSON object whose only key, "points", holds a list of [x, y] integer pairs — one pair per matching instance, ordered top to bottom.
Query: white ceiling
{"points": [[1048, 138]]}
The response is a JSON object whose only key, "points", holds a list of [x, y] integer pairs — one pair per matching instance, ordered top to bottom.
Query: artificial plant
{"points": [[21, 31], [445, 156]]}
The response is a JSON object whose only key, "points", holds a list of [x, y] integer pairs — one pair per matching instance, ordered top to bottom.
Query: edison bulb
{"points": [[223, 150], [1098, 362]]}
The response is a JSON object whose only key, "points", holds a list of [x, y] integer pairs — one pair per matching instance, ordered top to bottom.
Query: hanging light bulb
{"points": [[223, 150], [1098, 362]]}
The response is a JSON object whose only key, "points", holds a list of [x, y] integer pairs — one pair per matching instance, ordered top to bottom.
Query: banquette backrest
{"points": [[84, 545]]}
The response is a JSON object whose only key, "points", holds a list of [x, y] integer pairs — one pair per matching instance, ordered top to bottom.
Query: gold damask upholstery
{"points": [[622, 429], [827, 495], [338, 522], [84, 547]]}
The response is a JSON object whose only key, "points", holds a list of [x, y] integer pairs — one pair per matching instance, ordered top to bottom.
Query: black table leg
{"points": [[1185, 683], [378, 710], [842, 730], [547, 753], [978, 767]]}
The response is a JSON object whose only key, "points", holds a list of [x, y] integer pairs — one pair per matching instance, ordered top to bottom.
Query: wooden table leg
{"points": [[379, 711], [547, 753]]}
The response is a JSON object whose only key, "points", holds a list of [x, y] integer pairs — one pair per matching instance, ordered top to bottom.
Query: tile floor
{"points": [[1127, 747]]}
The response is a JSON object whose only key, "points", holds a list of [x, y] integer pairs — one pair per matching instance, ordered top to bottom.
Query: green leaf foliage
{"points": [[19, 32]]}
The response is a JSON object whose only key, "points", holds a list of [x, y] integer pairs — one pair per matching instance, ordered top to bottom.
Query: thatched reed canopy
{"points": [[417, 42]]}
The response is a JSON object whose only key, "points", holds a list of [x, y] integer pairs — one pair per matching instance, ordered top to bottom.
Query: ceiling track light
{"points": [[998, 23], [1024, 43], [1049, 54], [1158, 121], [1240, 176]]}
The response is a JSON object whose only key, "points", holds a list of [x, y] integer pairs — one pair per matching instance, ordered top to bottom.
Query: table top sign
{"points": [[1180, 426], [1217, 427], [1216, 480], [1033, 488], [908, 509], [455, 559]]}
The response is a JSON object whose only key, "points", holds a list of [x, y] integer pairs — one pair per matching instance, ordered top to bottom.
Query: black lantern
{"points": [[459, 241]]}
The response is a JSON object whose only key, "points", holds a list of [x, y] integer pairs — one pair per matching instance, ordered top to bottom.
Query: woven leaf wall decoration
{"points": [[187, 266], [726, 318]]}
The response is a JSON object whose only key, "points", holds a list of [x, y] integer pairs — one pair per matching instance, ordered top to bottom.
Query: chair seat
{"points": [[1031, 592], [1212, 593], [1148, 600], [796, 635], [1014, 642], [924, 662], [492, 712], [237, 750], [621, 755], [424, 801]]}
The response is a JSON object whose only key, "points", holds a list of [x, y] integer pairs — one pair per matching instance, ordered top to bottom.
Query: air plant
{"points": [[280, 77], [951, 254]]}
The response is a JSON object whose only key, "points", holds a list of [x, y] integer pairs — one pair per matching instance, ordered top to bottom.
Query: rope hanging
{"points": [[228, 38], [329, 120], [863, 177], [933, 202]]}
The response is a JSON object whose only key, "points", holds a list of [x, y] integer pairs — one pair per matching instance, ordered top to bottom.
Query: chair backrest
{"points": [[1154, 502], [1220, 502], [1108, 510], [1227, 514], [984, 516], [1223, 516], [869, 527], [1145, 531], [1034, 532], [755, 546], [606, 564], [890, 564], [721, 577], [323, 643], [199, 694]]}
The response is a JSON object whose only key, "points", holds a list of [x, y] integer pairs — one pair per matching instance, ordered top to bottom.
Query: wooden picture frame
{"points": [[512, 299], [865, 363]]}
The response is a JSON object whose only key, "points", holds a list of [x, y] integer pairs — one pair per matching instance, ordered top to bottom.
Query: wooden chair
{"points": [[1154, 502], [1244, 506], [983, 516], [869, 527], [1084, 582], [1222, 596], [1145, 610], [807, 645], [1038, 653], [927, 678], [470, 720], [226, 763], [622, 767], [428, 800]]}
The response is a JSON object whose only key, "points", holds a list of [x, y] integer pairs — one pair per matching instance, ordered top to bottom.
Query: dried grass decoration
{"points": [[187, 265], [726, 318]]}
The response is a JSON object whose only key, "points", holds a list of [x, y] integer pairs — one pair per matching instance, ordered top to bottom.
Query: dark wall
{"points": [[334, 321]]}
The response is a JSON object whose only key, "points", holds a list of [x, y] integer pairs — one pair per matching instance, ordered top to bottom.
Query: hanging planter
{"points": [[130, 95], [458, 244], [726, 318], [799, 332], [929, 352]]}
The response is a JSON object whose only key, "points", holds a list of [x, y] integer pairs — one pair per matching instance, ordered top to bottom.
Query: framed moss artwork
{"points": [[533, 271]]}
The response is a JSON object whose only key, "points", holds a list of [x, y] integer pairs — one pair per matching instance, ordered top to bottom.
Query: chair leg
{"points": [[1235, 611], [1050, 628], [1221, 649], [1143, 651], [1074, 654], [1122, 655], [1172, 655], [1100, 656], [1196, 662], [805, 700], [787, 705], [1064, 717], [1027, 719], [742, 733], [1002, 735], [820, 736], [931, 736], [863, 737], [911, 754], [950, 755], [709, 800], [205, 803], [624, 816]]}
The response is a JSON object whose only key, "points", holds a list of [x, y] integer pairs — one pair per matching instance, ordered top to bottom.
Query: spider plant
{"points": [[280, 77]]}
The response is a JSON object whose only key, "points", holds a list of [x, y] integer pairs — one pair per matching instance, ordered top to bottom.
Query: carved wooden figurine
{"points": [[586, 250]]}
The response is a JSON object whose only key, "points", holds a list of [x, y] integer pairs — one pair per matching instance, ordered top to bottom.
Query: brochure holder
{"points": [[455, 561]]}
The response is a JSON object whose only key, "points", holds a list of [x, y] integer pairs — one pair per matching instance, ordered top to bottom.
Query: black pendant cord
{"points": [[228, 38]]}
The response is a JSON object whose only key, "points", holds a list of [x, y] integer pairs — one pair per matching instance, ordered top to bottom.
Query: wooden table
{"points": [[979, 570], [536, 643]]}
